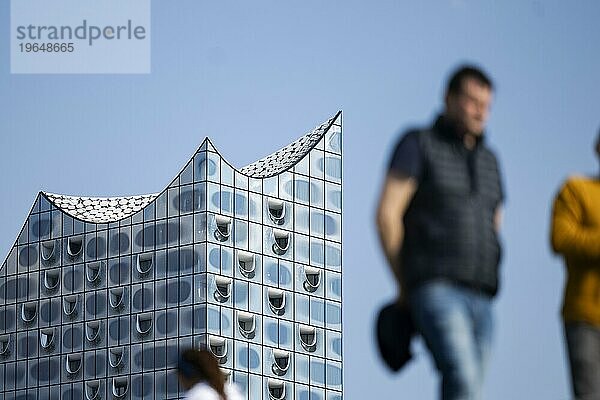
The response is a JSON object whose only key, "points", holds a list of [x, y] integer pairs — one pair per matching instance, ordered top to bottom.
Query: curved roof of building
{"points": [[287, 157], [112, 209], [100, 210]]}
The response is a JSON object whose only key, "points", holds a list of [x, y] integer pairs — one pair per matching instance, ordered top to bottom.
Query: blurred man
{"points": [[438, 221], [576, 236]]}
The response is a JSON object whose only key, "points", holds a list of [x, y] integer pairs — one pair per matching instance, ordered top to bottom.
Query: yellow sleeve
{"points": [[569, 236]]}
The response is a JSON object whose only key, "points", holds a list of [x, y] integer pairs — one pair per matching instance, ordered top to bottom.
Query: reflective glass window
{"points": [[333, 140], [317, 163], [200, 164], [302, 166], [214, 167], [333, 168], [226, 173], [187, 175], [241, 181], [255, 185], [270, 186], [286, 186], [301, 189], [317, 193], [200, 197], [333, 197], [214, 198], [186, 199], [226, 200], [173, 201], [241, 203], [161, 205], [255, 207], [149, 213], [301, 217], [317, 222], [333, 226], [34, 227], [186, 227], [200, 227], [67, 228], [161, 230], [173, 231], [241, 234], [137, 236], [255, 237], [125, 240], [101, 243], [302, 249], [317, 252], [333, 256], [200, 258], [214, 259], [227, 261], [172, 262], [160, 264], [270, 271], [286, 275], [333, 281], [199, 288], [185, 290], [240, 295], [255, 298], [302, 308], [317, 311], [333, 315], [199, 319], [213, 319], [185, 321], [227, 322], [271, 331], [286, 335], [334, 345], [241, 355], [255, 358], [302, 368], [317, 371], [334, 375], [241, 380], [256, 386], [302, 392], [317, 393], [331, 395]]}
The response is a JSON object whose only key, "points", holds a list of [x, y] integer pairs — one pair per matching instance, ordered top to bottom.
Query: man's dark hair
{"points": [[464, 72]]}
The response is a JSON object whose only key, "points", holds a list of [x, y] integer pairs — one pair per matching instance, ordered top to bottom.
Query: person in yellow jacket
{"points": [[576, 236]]}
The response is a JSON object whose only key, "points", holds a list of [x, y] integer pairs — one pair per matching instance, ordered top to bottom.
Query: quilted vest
{"points": [[449, 225]]}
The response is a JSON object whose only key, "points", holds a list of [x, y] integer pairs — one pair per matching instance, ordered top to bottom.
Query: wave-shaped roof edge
{"points": [[288, 156], [113, 209], [100, 210]]}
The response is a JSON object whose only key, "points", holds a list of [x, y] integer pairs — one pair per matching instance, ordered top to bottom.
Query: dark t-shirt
{"points": [[407, 160]]}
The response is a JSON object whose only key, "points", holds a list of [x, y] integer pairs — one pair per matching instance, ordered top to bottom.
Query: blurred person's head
{"points": [[468, 99], [196, 366]]}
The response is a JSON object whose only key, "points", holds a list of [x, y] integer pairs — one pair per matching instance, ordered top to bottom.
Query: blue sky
{"points": [[256, 75]]}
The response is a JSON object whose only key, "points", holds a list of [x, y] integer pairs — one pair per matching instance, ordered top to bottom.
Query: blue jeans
{"points": [[456, 324], [583, 344]]}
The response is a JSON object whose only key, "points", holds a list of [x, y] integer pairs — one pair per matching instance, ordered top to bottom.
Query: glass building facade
{"points": [[98, 296]]}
